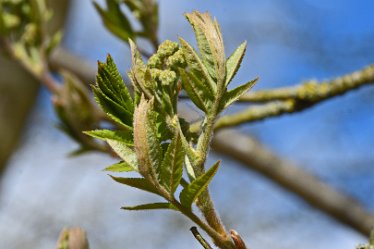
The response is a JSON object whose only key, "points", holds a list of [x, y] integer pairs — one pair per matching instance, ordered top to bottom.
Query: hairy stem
{"points": [[204, 202], [219, 240]]}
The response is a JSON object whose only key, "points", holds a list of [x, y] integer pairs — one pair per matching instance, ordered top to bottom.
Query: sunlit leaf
{"points": [[210, 42], [234, 61], [196, 66], [110, 82], [196, 90], [233, 95], [114, 110], [124, 136], [147, 146], [124, 152], [172, 166], [120, 167], [139, 183], [190, 193]]}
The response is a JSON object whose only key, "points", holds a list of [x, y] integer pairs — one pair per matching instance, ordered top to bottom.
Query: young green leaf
{"points": [[115, 21], [210, 42], [234, 61], [196, 66], [140, 75], [110, 82], [196, 90], [233, 95], [114, 110], [124, 136], [147, 146], [124, 152], [172, 166], [120, 167], [189, 169], [139, 183], [190, 193], [150, 206]]}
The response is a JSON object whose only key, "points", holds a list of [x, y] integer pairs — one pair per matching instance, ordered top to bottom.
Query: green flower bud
{"points": [[167, 48], [176, 60]]}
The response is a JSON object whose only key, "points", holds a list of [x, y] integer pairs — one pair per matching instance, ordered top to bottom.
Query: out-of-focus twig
{"points": [[63, 59], [313, 91], [293, 99]]}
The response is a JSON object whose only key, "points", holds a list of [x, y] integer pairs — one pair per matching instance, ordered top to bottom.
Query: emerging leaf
{"points": [[115, 21], [210, 42], [234, 61], [197, 67], [140, 75], [110, 82], [196, 90], [112, 94], [233, 95], [114, 110], [124, 136], [147, 146], [124, 152], [172, 166], [120, 167], [139, 183], [190, 193], [150, 206]]}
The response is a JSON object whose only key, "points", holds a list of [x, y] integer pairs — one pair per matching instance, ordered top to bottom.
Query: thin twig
{"points": [[200, 238]]}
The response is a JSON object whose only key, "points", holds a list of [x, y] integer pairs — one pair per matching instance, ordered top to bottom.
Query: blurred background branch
{"points": [[18, 91], [293, 99]]}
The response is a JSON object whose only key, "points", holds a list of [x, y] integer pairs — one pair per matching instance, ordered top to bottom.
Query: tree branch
{"points": [[313, 91], [293, 99], [293, 178]]}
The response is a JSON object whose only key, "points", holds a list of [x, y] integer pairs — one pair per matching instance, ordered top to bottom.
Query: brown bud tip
{"points": [[239, 243]]}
